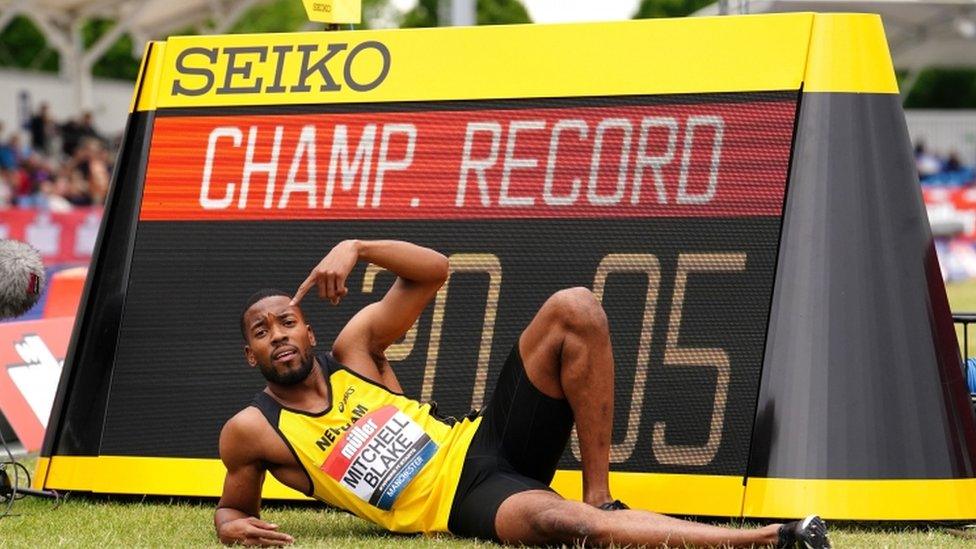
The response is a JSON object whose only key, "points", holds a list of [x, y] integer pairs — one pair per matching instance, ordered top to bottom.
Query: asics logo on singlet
{"points": [[345, 398], [332, 434]]}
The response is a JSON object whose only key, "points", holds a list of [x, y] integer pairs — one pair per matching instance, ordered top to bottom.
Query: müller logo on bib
{"points": [[379, 456]]}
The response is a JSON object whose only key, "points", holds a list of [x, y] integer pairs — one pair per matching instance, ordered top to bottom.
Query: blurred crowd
{"points": [[52, 165], [943, 170]]}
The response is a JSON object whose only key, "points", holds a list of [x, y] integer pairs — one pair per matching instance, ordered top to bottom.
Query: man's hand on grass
{"points": [[253, 531]]}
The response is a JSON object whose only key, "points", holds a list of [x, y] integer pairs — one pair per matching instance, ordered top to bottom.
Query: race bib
{"points": [[379, 456]]}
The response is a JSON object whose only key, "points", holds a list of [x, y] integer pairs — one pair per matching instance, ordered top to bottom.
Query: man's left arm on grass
{"points": [[237, 519]]}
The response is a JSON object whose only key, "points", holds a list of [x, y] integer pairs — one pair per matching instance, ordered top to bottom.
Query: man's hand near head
{"points": [[411, 263], [329, 276]]}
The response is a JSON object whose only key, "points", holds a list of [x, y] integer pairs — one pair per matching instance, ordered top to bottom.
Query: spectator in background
{"points": [[42, 129], [75, 131], [9, 153], [91, 160], [8, 163], [926, 163], [953, 164], [34, 169], [8, 171], [944, 171], [38, 177], [78, 190], [6, 192], [50, 195]]}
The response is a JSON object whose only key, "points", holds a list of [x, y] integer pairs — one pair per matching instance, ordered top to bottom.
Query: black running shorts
{"points": [[522, 435]]}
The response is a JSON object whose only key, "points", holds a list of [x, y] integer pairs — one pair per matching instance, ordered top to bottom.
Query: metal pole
{"points": [[464, 13], [79, 73], [965, 346]]}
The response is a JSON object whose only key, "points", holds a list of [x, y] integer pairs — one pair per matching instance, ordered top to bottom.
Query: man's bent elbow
{"points": [[443, 270]]}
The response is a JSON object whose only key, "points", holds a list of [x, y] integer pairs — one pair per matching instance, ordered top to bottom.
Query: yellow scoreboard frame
{"points": [[826, 59]]}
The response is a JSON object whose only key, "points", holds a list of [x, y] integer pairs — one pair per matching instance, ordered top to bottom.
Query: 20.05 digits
{"points": [[674, 354]]}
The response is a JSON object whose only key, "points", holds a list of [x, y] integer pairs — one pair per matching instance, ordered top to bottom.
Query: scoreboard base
{"points": [[676, 494]]}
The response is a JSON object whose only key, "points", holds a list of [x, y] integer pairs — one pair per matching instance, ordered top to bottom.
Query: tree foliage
{"points": [[649, 9], [489, 12], [502, 12], [424, 14], [277, 16], [22, 46], [118, 62], [943, 89]]}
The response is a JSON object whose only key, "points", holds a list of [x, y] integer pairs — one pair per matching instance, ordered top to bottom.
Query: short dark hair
{"points": [[254, 298]]}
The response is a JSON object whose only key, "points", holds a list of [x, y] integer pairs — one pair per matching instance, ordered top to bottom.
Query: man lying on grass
{"points": [[337, 427]]}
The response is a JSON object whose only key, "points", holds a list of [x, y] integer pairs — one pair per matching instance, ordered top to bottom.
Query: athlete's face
{"points": [[279, 342]]}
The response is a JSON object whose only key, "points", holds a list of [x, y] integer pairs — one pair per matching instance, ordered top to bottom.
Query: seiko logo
{"points": [[260, 69]]}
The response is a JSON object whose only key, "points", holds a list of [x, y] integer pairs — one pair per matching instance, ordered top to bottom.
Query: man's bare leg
{"points": [[567, 354], [538, 517]]}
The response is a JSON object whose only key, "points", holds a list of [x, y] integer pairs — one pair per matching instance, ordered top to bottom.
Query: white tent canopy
{"points": [[61, 22], [940, 33]]}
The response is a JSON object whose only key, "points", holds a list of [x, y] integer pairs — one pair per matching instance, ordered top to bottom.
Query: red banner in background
{"points": [[60, 237]]}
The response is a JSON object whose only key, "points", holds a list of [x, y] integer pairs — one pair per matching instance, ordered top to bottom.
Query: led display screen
{"points": [[668, 207]]}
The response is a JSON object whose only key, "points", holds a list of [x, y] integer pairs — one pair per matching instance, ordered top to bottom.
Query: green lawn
{"points": [[84, 522], [97, 522], [100, 522]]}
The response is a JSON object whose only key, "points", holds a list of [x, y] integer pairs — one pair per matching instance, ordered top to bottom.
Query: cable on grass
{"points": [[11, 491], [9, 500]]}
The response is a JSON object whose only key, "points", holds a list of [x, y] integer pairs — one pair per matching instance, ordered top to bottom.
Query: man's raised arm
{"points": [[420, 273]]}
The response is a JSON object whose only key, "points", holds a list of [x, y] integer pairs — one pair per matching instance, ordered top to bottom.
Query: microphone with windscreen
{"points": [[21, 278]]}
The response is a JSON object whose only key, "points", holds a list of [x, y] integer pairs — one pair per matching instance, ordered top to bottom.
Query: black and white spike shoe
{"points": [[615, 505], [809, 533]]}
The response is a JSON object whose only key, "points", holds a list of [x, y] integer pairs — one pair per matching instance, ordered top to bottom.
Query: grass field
{"points": [[87, 522], [97, 522]]}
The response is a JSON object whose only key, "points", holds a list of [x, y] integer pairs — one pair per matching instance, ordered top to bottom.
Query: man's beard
{"points": [[291, 377]]}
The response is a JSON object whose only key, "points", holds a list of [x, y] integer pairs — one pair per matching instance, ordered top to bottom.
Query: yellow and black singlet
{"points": [[378, 454]]}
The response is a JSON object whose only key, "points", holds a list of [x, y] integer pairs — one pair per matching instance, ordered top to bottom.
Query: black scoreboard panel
{"points": [[684, 266], [189, 281]]}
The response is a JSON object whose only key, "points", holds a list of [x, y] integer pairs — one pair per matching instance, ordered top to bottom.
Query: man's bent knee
{"points": [[579, 310]]}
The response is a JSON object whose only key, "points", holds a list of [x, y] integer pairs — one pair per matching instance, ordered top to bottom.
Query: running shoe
{"points": [[615, 505], [809, 533]]}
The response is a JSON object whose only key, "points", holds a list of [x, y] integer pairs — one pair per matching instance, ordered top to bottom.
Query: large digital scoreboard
{"points": [[556, 157], [659, 204]]}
